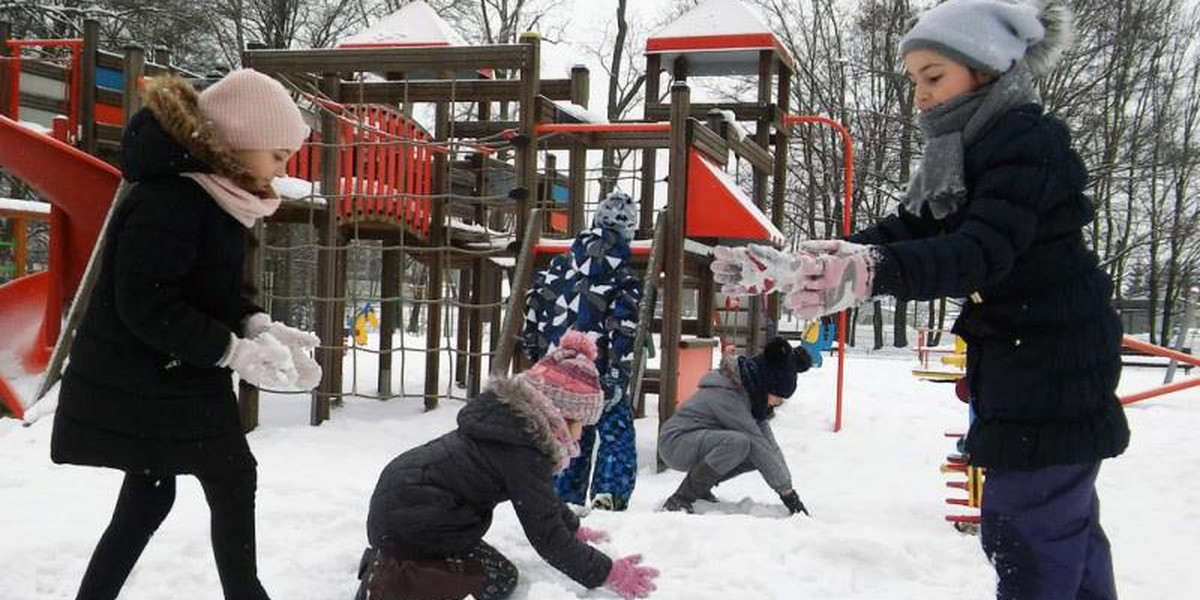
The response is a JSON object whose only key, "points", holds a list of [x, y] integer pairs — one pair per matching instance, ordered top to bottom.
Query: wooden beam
{"points": [[389, 60], [133, 67], [436, 90], [87, 99], [744, 111], [482, 129], [610, 139], [681, 141], [711, 144], [649, 155], [577, 159], [526, 160], [434, 287], [329, 320], [505, 345]]}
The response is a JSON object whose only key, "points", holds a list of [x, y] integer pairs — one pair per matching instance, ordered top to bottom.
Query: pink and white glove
{"points": [[756, 269], [842, 279], [289, 336], [299, 344], [262, 362], [588, 535], [629, 580]]}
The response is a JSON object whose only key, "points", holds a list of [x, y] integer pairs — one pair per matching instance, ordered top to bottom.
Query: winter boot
{"points": [[695, 486]]}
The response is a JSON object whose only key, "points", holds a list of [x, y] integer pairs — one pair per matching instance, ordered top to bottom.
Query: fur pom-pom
{"points": [[1059, 20], [579, 343], [777, 351]]}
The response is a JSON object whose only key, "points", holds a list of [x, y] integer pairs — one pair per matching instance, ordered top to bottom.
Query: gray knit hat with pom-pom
{"points": [[993, 35]]}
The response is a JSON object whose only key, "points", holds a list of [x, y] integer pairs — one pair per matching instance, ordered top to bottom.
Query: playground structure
{"points": [[439, 181], [476, 200], [953, 361]]}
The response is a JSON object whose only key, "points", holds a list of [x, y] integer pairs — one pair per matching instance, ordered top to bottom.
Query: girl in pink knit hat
{"points": [[148, 388], [433, 504]]}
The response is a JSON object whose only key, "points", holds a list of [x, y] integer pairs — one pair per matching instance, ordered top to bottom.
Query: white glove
{"points": [[258, 323], [262, 362], [308, 372]]}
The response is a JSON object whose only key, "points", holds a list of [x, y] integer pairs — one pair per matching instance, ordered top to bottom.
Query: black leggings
{"points": [[142, 505]]}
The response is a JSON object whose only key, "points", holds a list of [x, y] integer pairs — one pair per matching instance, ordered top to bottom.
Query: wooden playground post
{"points": [[133, 67], [5, 80], [87, 89], [681, 143], [649, 156], [577, 169], [527, 177], [779, 177], [437, 263], [252, 274], [389, 316], [329, 323], [506, 342]]}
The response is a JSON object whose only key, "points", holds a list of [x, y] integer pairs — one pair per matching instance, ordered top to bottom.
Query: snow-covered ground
{"points": [[874, 489]]}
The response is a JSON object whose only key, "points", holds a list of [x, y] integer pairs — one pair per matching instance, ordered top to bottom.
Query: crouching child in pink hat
{"points": [[148, 389], [433, 504]]}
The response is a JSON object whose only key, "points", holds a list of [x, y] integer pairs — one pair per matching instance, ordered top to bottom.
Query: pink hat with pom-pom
{"points": [[568, 377]]}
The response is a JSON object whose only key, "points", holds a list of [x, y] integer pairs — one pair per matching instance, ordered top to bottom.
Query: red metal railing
{"points": [[385, 161], [847, 221], [1151, 349]]}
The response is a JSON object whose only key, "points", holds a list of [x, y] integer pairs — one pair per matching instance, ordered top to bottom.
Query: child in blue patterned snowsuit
{"points": [[593, 290]]}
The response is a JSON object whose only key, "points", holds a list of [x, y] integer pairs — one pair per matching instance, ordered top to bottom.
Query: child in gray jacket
{"points": [[723, 430]]}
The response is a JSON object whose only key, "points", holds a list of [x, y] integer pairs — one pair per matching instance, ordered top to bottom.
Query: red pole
{"points": [[847, 221], [1151, 349]]}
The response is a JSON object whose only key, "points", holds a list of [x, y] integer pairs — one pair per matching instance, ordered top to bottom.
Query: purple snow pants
{"points": [[1041, 530]]}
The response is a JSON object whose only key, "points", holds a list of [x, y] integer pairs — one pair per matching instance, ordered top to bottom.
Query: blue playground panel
{"points": [[112, 79]]}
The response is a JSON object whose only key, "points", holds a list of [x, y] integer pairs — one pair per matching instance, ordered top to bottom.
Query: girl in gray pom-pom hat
{"points": [[995, 213]]}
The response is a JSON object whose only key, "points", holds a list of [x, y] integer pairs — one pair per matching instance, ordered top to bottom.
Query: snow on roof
{"points": [[716, 17], [417, 24], [24, 206]]}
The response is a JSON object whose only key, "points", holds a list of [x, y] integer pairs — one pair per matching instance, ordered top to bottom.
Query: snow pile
{"points": [[875, 492]]}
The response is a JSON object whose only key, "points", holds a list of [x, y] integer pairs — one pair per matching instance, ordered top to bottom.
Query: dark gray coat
{"points": [[721, 404], [436, 500]]}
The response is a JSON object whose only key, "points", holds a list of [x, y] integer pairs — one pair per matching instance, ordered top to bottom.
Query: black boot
{"points": [[697, 485]]}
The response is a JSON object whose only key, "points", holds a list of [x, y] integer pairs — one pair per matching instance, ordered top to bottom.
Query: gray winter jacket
{"points": [[722, 404]]}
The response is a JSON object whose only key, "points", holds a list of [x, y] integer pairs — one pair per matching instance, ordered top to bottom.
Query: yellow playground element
{"points": [[364, 318], [955, 359]]}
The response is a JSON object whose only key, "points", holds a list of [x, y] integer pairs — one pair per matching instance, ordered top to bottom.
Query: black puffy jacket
{"points": [[1043, 341], [142, 391], [436, 500]]}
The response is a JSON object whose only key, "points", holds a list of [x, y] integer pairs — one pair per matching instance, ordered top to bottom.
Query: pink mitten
{"points": [[757, 269], [842, 280], [588, 535], [629, 580]]}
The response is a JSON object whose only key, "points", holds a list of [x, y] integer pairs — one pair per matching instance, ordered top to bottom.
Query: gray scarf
{"points": [[954, 125]]}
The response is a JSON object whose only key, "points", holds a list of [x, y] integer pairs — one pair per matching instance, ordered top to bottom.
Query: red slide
{"points": [[80, 188]]}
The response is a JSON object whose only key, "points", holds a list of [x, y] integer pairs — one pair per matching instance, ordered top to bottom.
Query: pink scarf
{"points": [[245, 206]]}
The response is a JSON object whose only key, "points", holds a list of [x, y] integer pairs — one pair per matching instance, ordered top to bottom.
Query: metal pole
{"points": [[1185, 327]]}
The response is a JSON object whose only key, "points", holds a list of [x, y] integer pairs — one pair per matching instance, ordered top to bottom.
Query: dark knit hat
{"points": [[773, 371], [567, 376]]}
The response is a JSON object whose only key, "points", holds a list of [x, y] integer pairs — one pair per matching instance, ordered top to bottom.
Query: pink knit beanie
{"points": [[251, 111], [567, 376]]}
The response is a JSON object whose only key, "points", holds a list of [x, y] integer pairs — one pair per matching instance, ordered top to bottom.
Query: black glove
{"points": [[792, 501]]}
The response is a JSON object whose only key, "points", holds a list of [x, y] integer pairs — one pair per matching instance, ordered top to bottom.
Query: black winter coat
{"points": [[1043, 341], [142, 391], [436, 500]]}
